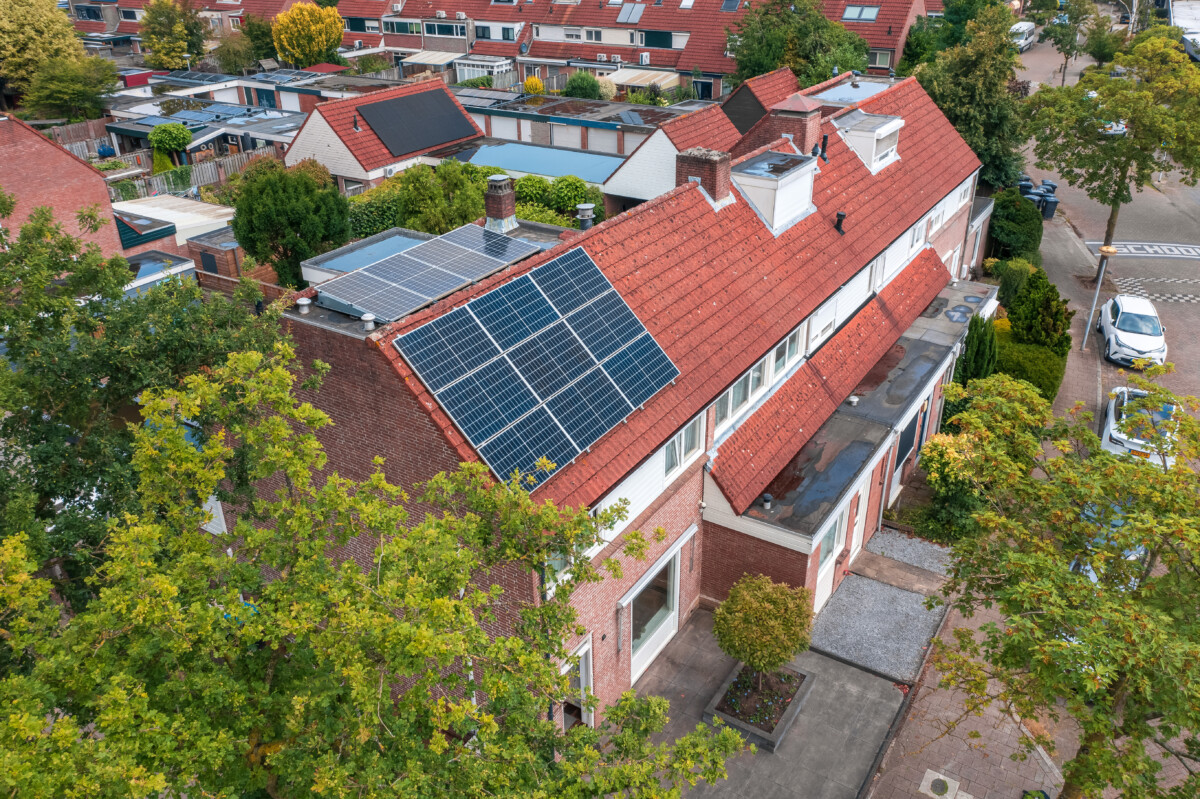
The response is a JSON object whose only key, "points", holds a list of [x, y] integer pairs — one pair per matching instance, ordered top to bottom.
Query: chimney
{"points": [[800, 117], [709, 168], [500, 205], [585, 215]]}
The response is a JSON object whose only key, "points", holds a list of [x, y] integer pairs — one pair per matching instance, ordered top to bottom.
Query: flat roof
{"points": [[853, 91], [544, 105], [533, 159], [773, 165], [180, 211], [222, 238], [369, 250]]}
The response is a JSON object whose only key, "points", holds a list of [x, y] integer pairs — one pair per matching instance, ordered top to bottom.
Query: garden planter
{"points": [[752, 734]]}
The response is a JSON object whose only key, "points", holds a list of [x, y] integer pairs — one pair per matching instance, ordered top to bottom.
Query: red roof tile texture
{"points": [[890, 28], [774, 87], [708, 127], [364, 143], [717, 290], [751, 458]]}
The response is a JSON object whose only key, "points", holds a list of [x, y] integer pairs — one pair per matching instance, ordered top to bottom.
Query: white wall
{"points": [[231, 96], [289, 101], [504, 128], [566, 136], [317, 140], [602, 140], [647, 173]]}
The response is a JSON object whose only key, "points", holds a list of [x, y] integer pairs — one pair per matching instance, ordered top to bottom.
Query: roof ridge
{"points": [[376, 96]]}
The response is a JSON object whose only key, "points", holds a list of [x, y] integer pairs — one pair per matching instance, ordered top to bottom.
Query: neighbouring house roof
{"points": [[890, 27], [772, 88], [707, 127], [366, 145], [189, 217], [716, 290]]}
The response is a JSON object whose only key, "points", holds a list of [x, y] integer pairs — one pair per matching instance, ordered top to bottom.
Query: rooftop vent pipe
{"points": [[356, 127], [824, 144], [585, 215], [841, 217], [304, 304], [368, 320], [853, 400], [767, 500]]}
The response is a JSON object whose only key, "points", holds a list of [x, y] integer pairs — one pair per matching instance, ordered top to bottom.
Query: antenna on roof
{"points": [[356, 127], [841, 217]]}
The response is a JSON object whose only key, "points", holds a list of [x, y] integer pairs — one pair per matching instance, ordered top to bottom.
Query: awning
{"points": [[432, 58], [641, 78]]}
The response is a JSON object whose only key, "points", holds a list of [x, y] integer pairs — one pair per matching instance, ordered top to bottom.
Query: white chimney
{"points": [[779, 186]]}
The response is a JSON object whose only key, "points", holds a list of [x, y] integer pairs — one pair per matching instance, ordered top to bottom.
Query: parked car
{"points": [[1023, 34], [1111, 128], [1132, 331], [1147, 436]]}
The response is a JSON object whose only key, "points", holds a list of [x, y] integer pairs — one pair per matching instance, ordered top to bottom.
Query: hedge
{"points": [[1030, 362]]}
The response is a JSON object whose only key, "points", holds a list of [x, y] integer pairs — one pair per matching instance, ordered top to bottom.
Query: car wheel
{"points": [[1108, 349]]}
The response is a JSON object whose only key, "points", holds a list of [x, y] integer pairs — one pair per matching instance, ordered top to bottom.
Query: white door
{"points": [[860, 516], [831, 541], [654, 616], [575, 709]]}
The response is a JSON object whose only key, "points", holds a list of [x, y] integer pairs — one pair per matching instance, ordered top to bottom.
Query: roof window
{"points": [[860, 13], [875, 138]]}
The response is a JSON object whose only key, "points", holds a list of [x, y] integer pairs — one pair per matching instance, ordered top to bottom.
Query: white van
{"points": [[1023, 34]]}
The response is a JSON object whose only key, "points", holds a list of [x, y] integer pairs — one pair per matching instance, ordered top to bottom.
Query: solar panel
{"points": [[626, 10], [636, 13], [417, 121], [490, 243], [432, 282], [355, 287], [394, 302], [641, 369], [515, 374]]}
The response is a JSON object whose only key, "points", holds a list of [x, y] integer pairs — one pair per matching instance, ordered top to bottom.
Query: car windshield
{"points": [[1139, 323], [1144, 426]]}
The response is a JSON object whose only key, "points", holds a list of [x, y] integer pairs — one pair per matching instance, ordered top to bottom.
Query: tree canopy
{"points": [[1067, 28], [258, 31], [32, 32], [173, 33], [776, 33], [307, 34], [234, 53], [969, 82], [582, 84], [71, 87], [1109, 135], [169, 137], [284, 217], [78, 353], [1091, 561], [261, 662]]}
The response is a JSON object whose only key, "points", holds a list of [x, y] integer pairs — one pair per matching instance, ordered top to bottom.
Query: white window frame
{"points": [[235, 23], [368, 23], [573, 34], [594, 35], [882, 58], [918, 235], [676, 448]]}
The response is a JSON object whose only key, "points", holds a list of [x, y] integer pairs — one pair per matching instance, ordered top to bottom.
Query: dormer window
{"points": [[860, 13], [875, 138]]}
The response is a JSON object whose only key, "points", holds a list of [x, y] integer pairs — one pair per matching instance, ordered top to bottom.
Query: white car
{"points": [[1132, 331], [1142, 437]]}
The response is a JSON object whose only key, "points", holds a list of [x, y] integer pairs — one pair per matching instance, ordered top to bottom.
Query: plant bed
{"points": [[763, 718]]}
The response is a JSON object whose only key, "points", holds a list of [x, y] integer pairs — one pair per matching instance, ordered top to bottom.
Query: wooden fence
{"points": [[88, 130], [87, 148], [182, 180]]}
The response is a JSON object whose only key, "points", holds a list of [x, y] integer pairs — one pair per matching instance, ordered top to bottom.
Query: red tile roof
{"points": [[890, 28], [628, 53], [323, 68], [774, 87], [708, 127], [364, 144], [717, 290], [751, 458]]}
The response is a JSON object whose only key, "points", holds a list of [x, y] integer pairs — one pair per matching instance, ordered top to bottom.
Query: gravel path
{"points": [[913, 551], [876, 626]]}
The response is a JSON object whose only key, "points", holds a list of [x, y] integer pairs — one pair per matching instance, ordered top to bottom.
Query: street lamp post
{"points": [[1106, 252]]}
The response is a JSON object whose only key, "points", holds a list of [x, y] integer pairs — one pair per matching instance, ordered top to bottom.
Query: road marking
{"points": [[1150, 249], [1143, 287]]}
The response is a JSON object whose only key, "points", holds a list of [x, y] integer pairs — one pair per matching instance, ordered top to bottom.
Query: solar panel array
{"points": [[630, 12], [399, 284], [542, 366]]}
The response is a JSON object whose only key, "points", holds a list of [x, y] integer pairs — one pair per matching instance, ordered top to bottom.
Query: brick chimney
{"points": [[800, 117], [710, 168], [500, 204]]}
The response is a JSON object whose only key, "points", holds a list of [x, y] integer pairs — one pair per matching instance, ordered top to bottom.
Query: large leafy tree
{"points": [[258, 31], [1067, 31], [32, 32], [173, 33], [775, 33], [307, 34], [234, 53], [969, 82], [71, 87], [1108, 135], [437, 201], [285, 217], [78, 353], [1092, 562], [263, 663]]}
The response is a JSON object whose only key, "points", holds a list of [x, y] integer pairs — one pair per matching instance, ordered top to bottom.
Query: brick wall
{"points": [[805, 132], [38, 172], [227, 259], [228, 285], [729, 554]]}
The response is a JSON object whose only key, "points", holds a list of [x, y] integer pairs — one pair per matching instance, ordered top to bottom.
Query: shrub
{"points": [[482, 82], [582, 84], [533, 85], [608, 89], [170, 137], [162, 162], [315, 170], [127, 189], [532, 189], [567, 192], [376, 210], [532, 212], [1016, 228], [989, 266], [1013, 274], [1040, 316], [979, 351], [1039, 366], [950, 515], [763, 623]]}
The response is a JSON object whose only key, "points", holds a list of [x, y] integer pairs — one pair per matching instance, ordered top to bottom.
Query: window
{"points": [[88, 12], [860, 13], [131, 14], [235, 22], [214, 23], [345, 24], [372, 26], [392, 26], [445, 29], [537, 31], [483, 32], [508, 34], [572, 34], [593, 35], [633, 37], [661, 39], [879, 58], [885, 147], [936, 217], [918, 235], [821, 324], [787, 352], [738, 396], [684, 445]]}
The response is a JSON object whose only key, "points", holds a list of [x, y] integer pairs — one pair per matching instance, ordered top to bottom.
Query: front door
{"points": [[860, 516], [831, 541], [654, 616], [575, 709]]}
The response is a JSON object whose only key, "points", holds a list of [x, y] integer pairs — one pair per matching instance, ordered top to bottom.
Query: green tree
{"points": [[958, 16], [1067, 29], [258, 31], [32, 32], [172, 32], [775, 33], [307, 34], [1101, 43], [922, 45], [234, 53], [969, 82], [583, 84], [71, 87], [1109, 135], [170, 137], [532, 189], [437, 201], [284, 218], [1016, 229], [1013, 275], [1040, 316], [979, 351], [78, 353], [1090, 562], [763, 623], [290, 672]]}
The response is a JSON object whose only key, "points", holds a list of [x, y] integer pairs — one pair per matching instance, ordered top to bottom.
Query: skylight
{"points": [[860, 13]]}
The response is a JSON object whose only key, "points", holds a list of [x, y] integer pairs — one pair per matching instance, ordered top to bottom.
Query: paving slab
{"points": [[911, 550], [897, 574]]}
